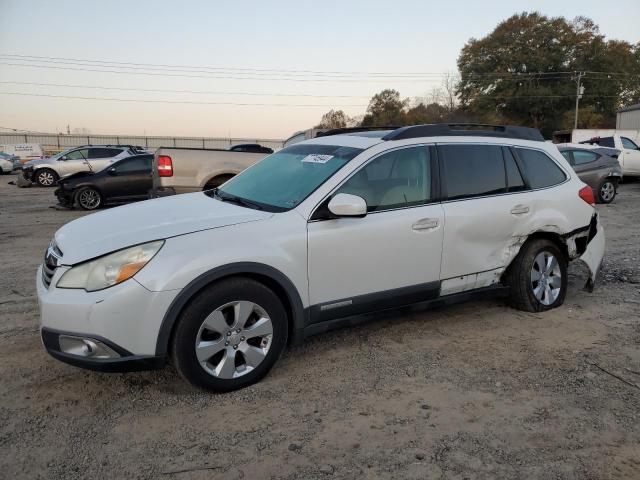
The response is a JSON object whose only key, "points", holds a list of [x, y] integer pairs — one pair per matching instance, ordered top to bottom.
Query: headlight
{"points": [[111, 269]]}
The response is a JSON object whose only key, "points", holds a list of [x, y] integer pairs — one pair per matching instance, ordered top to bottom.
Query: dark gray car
{"points": [[597, 167]]}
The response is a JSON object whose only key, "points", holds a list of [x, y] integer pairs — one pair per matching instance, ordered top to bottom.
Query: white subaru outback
{"points": [[314, 237]]}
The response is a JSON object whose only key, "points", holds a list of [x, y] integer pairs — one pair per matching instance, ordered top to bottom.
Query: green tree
{"points": [[524, 71], [385, 108], [334, 119]]}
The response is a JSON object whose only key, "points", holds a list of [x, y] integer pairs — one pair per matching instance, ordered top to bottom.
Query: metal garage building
{"points": [[629, 118]]}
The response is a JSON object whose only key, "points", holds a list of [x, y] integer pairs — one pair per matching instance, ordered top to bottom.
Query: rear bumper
{"points": [[594, 252], [126, 362]]}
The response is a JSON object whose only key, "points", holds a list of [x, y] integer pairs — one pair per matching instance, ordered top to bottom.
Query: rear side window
{"points": [[606, 142], [103, 152], [581, 157], [135, 164], [539, 169], [473, 170]]}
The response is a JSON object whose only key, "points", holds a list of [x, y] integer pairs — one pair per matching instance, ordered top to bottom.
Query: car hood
{"points": [[38, 161], [76, 175], [120, 227]]}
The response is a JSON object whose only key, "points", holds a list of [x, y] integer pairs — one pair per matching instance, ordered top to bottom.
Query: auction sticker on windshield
{"points": [[317, 158]]}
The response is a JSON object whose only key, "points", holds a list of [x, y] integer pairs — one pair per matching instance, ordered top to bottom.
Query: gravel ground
{"points": [[473, 391]]}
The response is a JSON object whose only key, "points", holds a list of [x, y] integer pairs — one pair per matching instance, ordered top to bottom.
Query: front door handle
{"points": [[520, 210], [426, 224]]}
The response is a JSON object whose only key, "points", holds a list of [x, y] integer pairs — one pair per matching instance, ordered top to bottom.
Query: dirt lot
{"points": [[472, 391]]}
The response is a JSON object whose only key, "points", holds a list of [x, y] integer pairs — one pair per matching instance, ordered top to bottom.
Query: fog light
{"points": [[85, 347]]}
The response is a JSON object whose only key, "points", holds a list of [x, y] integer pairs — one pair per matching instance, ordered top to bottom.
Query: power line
{"points": [[279, 72], [229, 77], [197, 92], [184, 102]]}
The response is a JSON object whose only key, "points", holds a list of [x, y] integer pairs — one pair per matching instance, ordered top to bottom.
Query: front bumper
{"points": [[65, 197], [126, 317], [124, 362]]}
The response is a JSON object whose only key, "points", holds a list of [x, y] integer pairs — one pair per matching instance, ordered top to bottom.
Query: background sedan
{"points": [[600, 170], [127, 180]]}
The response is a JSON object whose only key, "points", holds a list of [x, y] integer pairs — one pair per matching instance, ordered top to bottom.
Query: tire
{"points": [[45, 177], [216, 182], [607, 190], [88, 198], [525, 292], [202, 345]]}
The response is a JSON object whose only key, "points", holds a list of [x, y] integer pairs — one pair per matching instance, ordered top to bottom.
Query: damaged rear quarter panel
{"points": [[481, 234]]}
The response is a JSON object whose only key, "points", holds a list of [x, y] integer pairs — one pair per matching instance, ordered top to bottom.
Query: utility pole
{"points": [[579, 93]]}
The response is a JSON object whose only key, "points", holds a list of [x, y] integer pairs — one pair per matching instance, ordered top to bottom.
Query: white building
{"points": [[629, 118]]}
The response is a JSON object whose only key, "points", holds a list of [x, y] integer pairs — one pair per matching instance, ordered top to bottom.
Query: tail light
{"points": [[165, 166], [586, 194]]}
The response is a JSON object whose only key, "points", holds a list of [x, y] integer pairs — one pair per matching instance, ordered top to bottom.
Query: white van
{"points": [[26, 151]]}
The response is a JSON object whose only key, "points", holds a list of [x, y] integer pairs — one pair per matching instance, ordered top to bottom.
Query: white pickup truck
{"points": [[626, 141], [185, 170]]}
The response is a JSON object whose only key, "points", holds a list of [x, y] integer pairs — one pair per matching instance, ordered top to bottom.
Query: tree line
{"points": [[527, 71]]}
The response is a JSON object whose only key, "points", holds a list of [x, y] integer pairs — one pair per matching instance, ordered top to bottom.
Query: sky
{"points": [[251, 69]]}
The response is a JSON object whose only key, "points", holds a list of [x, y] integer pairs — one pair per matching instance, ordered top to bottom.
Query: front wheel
{"points": [[46, 177], [607, 190], [88, 198], [537, 277], [230, 335]]}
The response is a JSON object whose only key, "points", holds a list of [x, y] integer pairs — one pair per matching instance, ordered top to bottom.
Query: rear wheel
{"points": [[45, 177], [216, 182], [607, 190], [88, 198], [537, 277], [230, 335]]}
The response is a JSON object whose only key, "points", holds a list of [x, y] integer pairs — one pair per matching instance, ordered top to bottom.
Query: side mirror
{"points": [[63, 158], [112, 171], [347, 205]]}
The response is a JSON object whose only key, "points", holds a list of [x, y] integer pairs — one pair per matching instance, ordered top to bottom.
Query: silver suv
{"points": [[47, 171]]}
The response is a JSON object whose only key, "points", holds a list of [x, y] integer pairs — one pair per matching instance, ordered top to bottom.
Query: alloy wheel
{"points": [[45, 179], [607, 191], [89, 199], [546, 278], [234, 339]]}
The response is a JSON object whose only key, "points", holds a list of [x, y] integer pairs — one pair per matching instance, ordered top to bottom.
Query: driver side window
{"points": [[628, 143], [77, 155], [401, 178]]}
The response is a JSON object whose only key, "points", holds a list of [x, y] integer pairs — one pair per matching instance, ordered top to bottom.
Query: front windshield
{"points": [[284, 179]]}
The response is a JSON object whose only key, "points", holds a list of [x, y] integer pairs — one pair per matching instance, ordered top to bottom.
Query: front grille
{"points": [[52, 259], [47, 274]]}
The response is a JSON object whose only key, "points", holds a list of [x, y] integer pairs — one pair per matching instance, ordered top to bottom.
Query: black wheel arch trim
{"points": [[233, 269]]}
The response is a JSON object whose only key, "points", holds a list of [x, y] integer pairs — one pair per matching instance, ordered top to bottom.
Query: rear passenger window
{"points": [[606, 142], [103, 152], [580, 157], [539, 169], [473, 170], [515, 183]]}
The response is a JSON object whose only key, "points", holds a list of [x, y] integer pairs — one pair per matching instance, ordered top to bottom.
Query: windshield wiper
{"points": [[243, 202]]}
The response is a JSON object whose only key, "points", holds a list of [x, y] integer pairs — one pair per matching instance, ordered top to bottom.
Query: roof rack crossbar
{"points": [[466, 130]]}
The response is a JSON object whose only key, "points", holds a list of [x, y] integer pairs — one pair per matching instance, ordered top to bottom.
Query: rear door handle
{"points": [[520, 209], [426, 224]]}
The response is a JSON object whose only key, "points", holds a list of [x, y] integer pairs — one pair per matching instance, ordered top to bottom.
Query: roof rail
{"points": [[465, 130], [340, 131]]}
